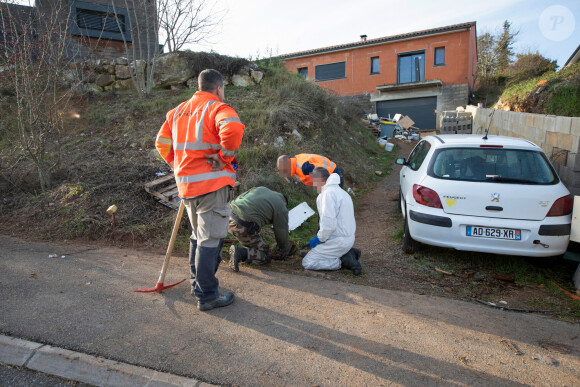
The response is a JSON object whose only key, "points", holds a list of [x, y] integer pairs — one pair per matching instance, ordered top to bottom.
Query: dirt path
{"points": [[378, 219]]}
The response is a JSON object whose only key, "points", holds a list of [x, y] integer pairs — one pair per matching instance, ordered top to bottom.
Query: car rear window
{"points": [[418, 155], [493, 165]]}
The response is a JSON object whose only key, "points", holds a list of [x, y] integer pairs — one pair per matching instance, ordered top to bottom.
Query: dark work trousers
{"points": [[209, 216]]}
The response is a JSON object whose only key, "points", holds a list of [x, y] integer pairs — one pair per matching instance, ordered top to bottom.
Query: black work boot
{"points": [[237, 255], [349, 261], [357, 268], [224, 299]]}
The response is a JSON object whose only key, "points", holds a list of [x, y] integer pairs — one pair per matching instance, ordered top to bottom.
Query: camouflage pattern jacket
{"points": [[264, 206]]}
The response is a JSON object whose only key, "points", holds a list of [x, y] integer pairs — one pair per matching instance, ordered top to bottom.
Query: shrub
{"points": [[529, 66], [565, 100]]}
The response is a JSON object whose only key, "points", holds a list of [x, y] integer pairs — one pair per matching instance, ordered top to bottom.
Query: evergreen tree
{"points": [[504, 47]]}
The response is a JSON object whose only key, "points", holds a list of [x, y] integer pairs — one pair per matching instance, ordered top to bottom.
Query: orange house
{"points": [[416, 74]]}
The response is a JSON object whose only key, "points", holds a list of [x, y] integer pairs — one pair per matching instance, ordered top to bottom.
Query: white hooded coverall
{"points": [[337, 227]]}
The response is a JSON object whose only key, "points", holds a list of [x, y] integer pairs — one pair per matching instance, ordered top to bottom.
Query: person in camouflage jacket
{"points": [[251, 211]]}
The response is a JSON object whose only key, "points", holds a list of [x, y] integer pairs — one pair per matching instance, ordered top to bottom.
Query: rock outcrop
{"points": [[174, 70]]}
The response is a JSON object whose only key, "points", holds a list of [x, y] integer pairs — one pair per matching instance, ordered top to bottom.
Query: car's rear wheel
{"points": [[409, 244]]}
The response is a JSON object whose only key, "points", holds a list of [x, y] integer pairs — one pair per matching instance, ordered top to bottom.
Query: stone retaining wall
{"points": [[173, 70], [558, 136]]}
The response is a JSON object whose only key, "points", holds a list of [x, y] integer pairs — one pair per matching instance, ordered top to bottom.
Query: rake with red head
{"points": [[160, 286]]}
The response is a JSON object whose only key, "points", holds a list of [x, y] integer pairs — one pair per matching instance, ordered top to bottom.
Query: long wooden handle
{"points": [[171, 242]]}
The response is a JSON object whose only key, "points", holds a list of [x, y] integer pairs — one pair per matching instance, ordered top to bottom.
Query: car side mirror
{"points": [[400, 161]]}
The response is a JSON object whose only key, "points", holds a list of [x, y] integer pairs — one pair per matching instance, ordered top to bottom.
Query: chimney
{"points": [[363, 38]]}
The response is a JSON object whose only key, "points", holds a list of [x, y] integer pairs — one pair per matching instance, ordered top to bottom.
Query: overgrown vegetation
{"points": [[34, 67], [525, 82], [552, 92], [109, 154]]}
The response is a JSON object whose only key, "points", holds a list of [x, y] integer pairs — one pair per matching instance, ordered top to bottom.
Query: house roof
{"points": [[21, 15], [386, 39], [575, 57]]}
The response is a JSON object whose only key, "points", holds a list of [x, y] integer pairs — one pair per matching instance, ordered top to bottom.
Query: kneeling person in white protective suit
{"points": [[332, 245]]}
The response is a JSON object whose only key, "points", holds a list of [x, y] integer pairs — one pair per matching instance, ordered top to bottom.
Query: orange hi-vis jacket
{"points": [[200, 126], [303, 164]]}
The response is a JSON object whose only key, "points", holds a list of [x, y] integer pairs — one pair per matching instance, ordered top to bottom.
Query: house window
{"points": [[100, 21], [439, 56], [375, 65], [412, 67], [303, 71], [330, 71]]}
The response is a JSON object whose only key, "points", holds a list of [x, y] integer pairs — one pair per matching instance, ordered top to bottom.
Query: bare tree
{"points": [[185, 22], [143, 47], [486, 55], [34, 59]]}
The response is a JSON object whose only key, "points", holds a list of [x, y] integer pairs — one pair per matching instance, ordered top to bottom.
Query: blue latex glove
{"points": [[315, 242]]}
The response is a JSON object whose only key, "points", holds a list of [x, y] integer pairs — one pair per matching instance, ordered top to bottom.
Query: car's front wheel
{"points": [[409, 244]]}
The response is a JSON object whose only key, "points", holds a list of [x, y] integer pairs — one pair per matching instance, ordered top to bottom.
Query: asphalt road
{"points": [[281, 329]]}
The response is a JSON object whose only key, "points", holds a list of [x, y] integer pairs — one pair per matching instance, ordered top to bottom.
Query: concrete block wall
{"points": [[452, 96], [449, 97], [455, 122], [558, 136]]}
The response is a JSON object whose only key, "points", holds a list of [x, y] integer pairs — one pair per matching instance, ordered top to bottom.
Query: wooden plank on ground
{"points": [[165, 190]]}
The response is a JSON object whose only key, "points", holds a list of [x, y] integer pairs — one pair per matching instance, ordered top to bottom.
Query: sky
{"points": [[260, 28]]}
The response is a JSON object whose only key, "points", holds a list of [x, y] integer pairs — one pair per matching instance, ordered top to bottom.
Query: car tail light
{"points": [[491, 146], [426, 196], [562, 206]]}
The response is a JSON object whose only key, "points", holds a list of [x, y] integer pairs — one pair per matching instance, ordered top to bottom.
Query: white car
{"points": [[481, 193]]}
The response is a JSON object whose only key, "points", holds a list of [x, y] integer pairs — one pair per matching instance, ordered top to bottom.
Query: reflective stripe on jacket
{"points": [[200, 126], [303, 164]]}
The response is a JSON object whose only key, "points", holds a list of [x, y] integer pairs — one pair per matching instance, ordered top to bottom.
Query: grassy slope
{"points": [[555, 93], [108, 155]]}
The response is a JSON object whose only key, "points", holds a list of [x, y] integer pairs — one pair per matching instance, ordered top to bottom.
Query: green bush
{"points": [[529, 66], [535, 95], [565, 100]]}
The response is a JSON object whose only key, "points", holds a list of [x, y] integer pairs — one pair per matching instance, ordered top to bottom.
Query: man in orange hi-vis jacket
{"points": [[198, 140], [303, 164]]}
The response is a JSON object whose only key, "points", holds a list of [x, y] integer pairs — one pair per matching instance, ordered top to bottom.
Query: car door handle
{"points": [[494, 208]]}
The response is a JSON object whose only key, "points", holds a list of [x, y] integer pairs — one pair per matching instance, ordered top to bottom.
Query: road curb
{"points": [[84, 368]]}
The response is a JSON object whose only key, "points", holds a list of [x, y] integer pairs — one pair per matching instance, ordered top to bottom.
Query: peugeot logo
{"points": [[495, 197]]}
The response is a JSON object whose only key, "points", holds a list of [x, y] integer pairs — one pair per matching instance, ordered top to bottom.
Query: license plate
{"points": [[494, 233]]}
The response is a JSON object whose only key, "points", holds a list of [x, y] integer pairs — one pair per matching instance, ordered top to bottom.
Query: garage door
{"points": [[420, 110]]}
